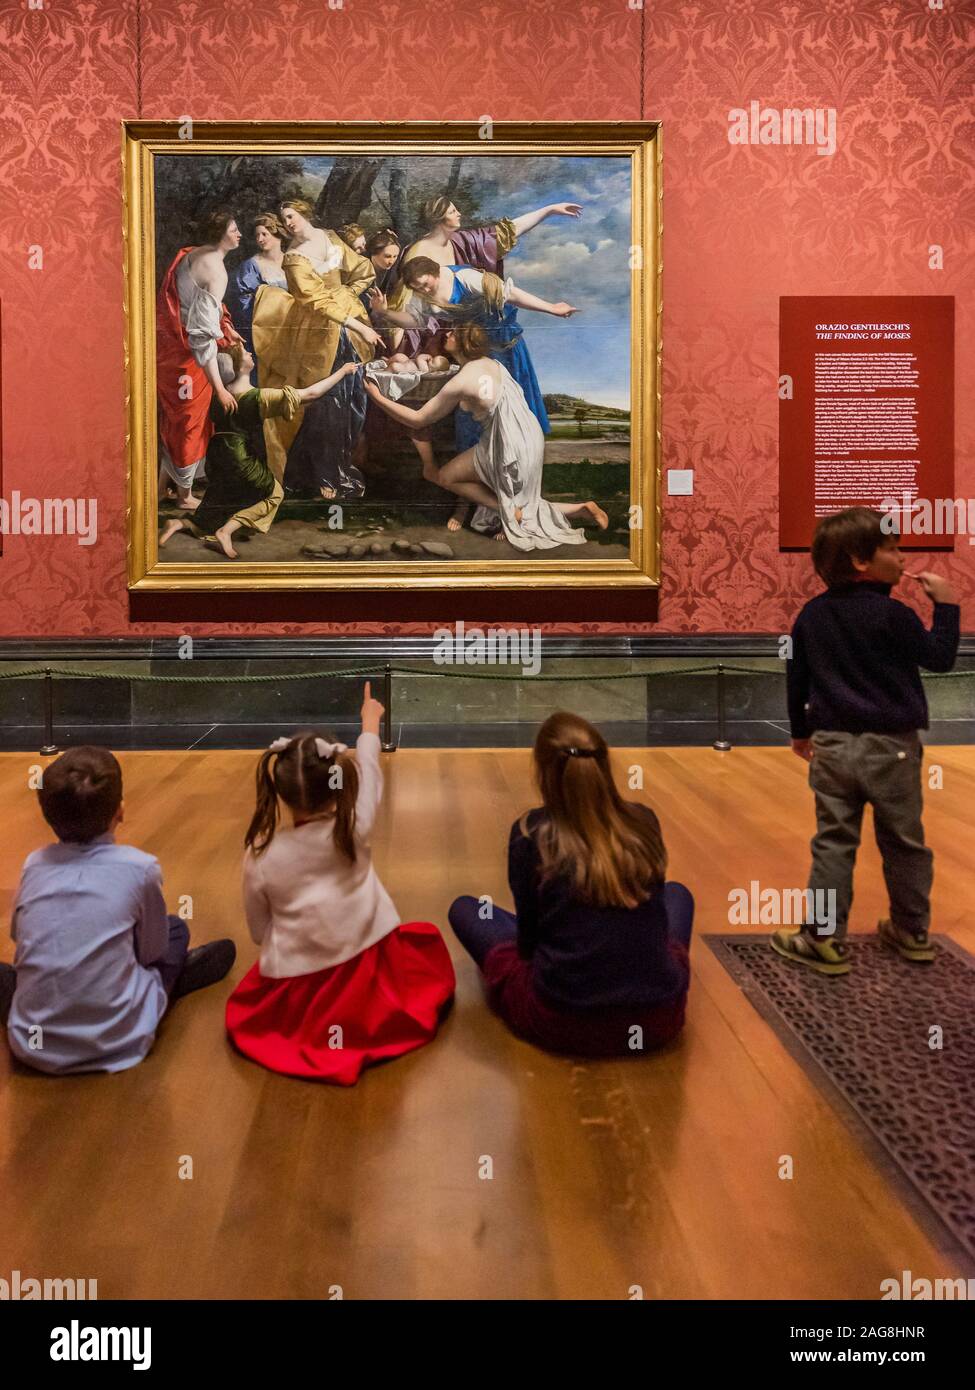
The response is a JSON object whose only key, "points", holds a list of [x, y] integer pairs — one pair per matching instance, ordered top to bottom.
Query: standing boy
{"points": [[856, 704]]}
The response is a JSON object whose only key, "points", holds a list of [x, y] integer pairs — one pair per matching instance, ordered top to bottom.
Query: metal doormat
{"points": [[870, 1041]]}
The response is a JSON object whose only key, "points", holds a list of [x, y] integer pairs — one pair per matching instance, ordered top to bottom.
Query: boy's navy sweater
{"points": [[855, 658]]}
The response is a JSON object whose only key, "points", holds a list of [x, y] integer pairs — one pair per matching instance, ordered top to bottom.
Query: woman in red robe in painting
{"points": [[192, 324]]}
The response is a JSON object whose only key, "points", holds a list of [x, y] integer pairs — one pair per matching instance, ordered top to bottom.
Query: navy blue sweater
{"points": [[855, 658], [588, 957]]}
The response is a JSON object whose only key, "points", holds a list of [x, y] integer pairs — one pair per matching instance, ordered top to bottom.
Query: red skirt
{"points": [[329, 1025], [594, 1033]]}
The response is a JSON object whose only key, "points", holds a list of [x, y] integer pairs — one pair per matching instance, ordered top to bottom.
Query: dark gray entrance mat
{"points": [[866, 1040]]}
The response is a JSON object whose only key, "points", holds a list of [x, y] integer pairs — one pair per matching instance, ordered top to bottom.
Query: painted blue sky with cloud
{"points": [[584, 260]]}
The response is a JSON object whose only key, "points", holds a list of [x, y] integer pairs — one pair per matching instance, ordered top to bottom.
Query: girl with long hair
{"points": [[594, 960], [341, 983]]}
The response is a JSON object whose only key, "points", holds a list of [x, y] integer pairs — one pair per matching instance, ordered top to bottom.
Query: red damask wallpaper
{"points": [[743, 224]]}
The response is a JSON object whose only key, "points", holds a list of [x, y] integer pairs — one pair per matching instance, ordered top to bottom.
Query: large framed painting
{"points": [[393, 356]]}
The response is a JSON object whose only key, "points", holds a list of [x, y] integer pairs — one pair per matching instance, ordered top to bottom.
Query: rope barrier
{"points": [[720, 669], [39, 673], [464, 674]]}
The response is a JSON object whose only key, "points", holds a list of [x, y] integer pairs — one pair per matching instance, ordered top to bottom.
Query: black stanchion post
{"points": [[388, 742], [721, 742], [49, 747]]}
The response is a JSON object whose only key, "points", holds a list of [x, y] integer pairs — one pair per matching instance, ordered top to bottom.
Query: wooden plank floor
{"points": [[661, 1172]]}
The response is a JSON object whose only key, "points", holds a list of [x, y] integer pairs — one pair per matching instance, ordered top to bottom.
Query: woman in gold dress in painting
{"points": [[305, 333]]}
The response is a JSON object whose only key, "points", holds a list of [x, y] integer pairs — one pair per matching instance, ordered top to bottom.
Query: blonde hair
{"points": [[301, 206], [272, 223], [350, 232], [611, 854]]}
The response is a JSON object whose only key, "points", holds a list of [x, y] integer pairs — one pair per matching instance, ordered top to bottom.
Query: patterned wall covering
{"points": [[742, 225]]}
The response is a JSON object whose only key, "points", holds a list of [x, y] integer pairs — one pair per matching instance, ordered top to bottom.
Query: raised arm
{"points": [[528, 220], [523, 300], [367, 750]]}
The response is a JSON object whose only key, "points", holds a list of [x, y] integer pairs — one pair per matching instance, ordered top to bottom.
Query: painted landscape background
{"points": [[583, 363]]}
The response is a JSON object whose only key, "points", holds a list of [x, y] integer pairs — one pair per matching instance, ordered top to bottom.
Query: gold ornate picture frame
{"points": [[361, 509]]}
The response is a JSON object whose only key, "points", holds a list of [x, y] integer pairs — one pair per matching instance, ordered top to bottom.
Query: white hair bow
{"points": [[323, 749], [329, 750]]}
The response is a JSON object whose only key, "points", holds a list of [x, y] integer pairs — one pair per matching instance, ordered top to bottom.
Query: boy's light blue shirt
{"points": [[87, 920]]}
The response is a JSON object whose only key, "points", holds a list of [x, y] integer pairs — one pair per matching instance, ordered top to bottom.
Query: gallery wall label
{"points": [[866, 410]]}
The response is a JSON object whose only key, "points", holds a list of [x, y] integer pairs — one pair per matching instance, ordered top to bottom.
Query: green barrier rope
{"points": [[39, 673]]}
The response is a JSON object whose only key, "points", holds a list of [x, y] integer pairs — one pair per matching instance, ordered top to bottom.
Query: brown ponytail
{"points": [[304, 781], [345, 806], [264, 821], [612, 854]]}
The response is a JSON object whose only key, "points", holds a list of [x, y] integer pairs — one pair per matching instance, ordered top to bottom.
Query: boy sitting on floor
{"points": [[98, 961]]}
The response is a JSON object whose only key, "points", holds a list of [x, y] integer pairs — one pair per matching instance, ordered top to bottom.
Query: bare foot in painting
{"points": [[166, 487], [328, 492], [189, 503], [597, 513], [458, 517], [169, 530], [499, 535], [222, 538]]}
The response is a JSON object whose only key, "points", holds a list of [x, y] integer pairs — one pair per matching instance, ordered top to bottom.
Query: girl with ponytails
{"points": [[594, 960], [341, 983]]}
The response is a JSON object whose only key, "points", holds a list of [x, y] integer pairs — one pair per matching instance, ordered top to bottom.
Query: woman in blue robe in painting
{"points": [[481, 249], [265, 268], [458, 294]]}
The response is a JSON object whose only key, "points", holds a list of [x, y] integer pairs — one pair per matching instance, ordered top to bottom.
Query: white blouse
{"points": [[200, 312], [307, 907]]}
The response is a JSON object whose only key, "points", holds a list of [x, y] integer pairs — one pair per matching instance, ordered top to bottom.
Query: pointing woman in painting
{"points": [[479, 248], [192, 322], [302, 335], [504, 469]]}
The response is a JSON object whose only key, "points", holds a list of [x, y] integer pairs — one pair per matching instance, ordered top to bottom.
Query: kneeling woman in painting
{"points": [[504, 469], [241, 491], [594, 961], [341, 983]]}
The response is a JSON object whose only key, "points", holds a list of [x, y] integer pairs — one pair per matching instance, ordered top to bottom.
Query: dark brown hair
{"points": [[213, 226], [380, 240], [420, 265], [855, 533], [305, 782], [80, 793], [611, 853]]}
